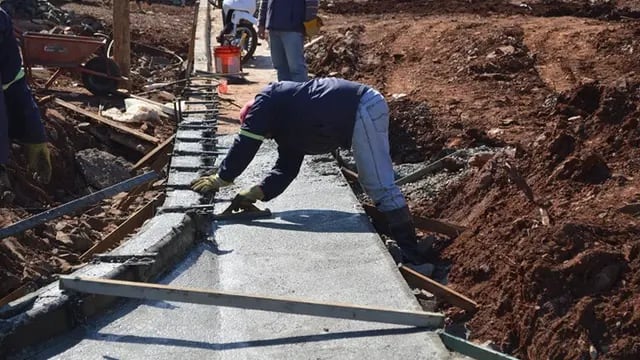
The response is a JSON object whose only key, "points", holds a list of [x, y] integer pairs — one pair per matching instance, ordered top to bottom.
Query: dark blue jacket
{"points": [[286, 15], [10, 60], [19, 114], [314, 117]]}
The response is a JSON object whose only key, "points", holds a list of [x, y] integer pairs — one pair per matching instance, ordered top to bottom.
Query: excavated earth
{"points": [[160, 39], [551, 250]]}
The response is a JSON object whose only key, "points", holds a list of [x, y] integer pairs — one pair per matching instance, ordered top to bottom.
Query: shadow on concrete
{"points": [[259, 62], [326, 221], [149, 340]]}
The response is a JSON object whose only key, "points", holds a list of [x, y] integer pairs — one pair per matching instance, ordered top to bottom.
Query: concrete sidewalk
{"points": [[319, 246]]}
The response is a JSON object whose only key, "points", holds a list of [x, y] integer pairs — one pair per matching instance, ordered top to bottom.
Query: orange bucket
{"points": [[227, 59]]}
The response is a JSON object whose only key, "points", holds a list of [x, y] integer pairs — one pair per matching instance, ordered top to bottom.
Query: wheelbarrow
{"points": [[100, 74]]}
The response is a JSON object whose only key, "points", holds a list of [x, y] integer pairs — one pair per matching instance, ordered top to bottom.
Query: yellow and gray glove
{"points": [[312, 27], [39, 161], [208, 184], [248, 197]]}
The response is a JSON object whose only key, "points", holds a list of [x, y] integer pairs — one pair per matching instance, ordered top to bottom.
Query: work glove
{"points": [[312, 27], [39, 161], [208, 184], [248, 197]]}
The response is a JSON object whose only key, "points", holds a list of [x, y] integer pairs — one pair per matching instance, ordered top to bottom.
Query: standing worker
{"points": [[287, 22], [19, 114], [317, 117]]}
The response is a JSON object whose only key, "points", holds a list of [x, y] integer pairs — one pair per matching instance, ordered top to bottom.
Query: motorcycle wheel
{"points": [[248, 48], [100, 85]]}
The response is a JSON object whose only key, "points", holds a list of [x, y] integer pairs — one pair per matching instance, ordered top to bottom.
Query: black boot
{"points": [[6, 194], [404, 233]]}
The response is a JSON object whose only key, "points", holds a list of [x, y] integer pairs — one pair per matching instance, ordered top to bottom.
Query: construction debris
{"points": [[101, 169]]}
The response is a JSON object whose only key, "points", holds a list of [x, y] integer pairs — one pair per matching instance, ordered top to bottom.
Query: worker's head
{"points": [[245, 110]]}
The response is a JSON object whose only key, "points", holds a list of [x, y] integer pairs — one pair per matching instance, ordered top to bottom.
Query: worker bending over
{"points": [[19, 114], [317, 117]]}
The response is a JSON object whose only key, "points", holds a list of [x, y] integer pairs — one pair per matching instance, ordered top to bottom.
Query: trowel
{"points": [[237, 210]]}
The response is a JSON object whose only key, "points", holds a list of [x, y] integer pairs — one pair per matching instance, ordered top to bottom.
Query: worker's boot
{"points": [[6, 194], [404, 233]]}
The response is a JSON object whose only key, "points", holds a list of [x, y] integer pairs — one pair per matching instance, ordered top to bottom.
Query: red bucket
{"points": [[227, 59]]}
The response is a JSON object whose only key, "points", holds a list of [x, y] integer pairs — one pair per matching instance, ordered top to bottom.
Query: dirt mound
{"points": [[603, 9], [337, 54], [502, 54], [413, 133], [563, 287]]}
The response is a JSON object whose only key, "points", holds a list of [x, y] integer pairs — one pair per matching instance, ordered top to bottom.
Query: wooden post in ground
{"points": [[122, 36]]}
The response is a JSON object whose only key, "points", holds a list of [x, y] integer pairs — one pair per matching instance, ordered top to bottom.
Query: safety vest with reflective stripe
{"points": [[19, 76]]}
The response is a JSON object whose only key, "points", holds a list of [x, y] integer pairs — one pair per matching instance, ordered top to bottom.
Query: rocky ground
{"points": [[161, 37], [551, 250]]}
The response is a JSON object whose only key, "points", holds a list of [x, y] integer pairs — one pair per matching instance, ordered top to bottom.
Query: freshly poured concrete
{"points": [[318, 246]]}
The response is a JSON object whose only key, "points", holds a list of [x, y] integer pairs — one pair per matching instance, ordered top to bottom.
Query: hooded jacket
{"points": [[314, 117]]}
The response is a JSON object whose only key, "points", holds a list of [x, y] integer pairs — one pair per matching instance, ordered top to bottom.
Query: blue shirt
{"points": [[286, 15], [10, 59], [314, 117]]}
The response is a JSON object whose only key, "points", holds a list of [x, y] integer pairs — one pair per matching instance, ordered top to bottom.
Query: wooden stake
{"points": [[122, 35], [104, 121], [160, 151], [434, 166], [426, 224], [438, 226], [127, 227], [415, 279], [146, 291], [18, 293]]}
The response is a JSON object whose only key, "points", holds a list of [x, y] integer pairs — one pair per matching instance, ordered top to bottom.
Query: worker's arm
{"points": [[311, 9], [246, 144], [284, 171]]}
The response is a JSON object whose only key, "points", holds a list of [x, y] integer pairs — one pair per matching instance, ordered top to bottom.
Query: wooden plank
{"points": [[122, 35], [310, 43], [104, 121], [162, 149], [434, 166], [349, 174], [423, 223], [438, 226], [127, 227], [415, 279], [147, 291], [18, 293], [470, 349]]}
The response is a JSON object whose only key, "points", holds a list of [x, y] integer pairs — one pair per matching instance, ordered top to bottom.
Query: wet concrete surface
{"points": [[318, 246]]}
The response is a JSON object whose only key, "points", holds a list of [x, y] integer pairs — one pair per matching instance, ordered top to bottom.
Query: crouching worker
{"points": [[19, 114], [317, 117]]}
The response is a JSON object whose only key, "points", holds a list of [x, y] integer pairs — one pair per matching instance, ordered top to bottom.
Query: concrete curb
{"points": [[158, 245]]}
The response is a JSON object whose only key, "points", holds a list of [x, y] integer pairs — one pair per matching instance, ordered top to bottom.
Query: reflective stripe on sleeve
{"points": [[19, 76], [251, 135]]}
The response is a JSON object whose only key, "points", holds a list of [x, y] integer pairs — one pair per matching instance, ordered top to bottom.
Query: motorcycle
{"points": [[238, 17]]}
